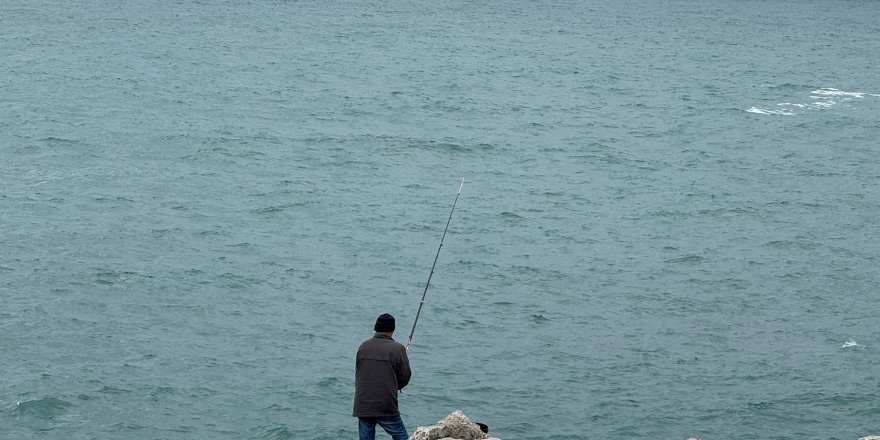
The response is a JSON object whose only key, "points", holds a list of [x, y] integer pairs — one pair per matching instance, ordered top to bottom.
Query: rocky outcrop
{"points": [[455, 426], [870, 437]]}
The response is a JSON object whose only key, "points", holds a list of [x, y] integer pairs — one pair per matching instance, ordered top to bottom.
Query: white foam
{"points": [[836, 92], [823, 98], [824, 104], [761, 111], [851, 343]]}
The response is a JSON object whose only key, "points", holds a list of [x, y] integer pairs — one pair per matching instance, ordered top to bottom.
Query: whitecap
{"points": [[835, 92], [823, 98], [824, 104], [761, 111], [851, 343]]}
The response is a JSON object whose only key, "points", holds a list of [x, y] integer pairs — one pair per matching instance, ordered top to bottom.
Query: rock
{"points": [[455, 426]]}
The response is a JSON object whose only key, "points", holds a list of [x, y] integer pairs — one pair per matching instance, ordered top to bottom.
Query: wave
{"points": [[836, 92], [823, 98], [761, 111], [691, 258], [851, 343], [45, 408], [276, 433]]}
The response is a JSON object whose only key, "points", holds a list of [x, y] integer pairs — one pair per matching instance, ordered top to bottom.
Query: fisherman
{"points": [[381, 370]]}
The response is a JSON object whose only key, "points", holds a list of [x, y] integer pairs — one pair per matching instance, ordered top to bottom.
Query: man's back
{"points": [[381, 369]]}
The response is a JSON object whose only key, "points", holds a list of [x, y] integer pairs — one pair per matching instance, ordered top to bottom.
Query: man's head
{"points": [[384, 324]]}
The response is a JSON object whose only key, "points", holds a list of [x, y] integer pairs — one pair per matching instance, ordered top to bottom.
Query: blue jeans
{"points": [[391, 424]]}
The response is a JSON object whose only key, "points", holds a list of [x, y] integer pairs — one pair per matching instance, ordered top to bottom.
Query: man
{"points": [[381, 370]]}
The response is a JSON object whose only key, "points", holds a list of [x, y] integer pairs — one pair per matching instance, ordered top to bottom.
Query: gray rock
{"points": [[455, 426]]}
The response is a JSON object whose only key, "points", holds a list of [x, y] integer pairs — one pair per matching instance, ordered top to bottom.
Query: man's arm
{"points": [[403, 372]]}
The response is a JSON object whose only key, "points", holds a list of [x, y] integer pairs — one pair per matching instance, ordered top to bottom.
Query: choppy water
{"points": [[668, 225]]}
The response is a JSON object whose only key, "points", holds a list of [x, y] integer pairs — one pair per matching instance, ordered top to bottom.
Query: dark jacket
{"points": [[381, 370]]}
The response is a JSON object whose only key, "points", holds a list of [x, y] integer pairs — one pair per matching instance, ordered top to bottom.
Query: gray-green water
{"points": [[668, 225]]}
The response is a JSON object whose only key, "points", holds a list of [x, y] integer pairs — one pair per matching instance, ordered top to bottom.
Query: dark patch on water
{"points": [[687, 259], [539, 318], [328, 382], [108, 389], [45, 408], [127, 427], [275, 433]]}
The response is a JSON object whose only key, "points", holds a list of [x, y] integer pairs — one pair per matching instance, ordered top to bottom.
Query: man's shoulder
{"points": [[381, 343]]}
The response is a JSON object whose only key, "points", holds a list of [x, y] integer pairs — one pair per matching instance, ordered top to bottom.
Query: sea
{"points": [[667, 224]]}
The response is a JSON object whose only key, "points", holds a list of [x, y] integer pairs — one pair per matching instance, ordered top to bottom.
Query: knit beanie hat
{"points": [[385, 323]]}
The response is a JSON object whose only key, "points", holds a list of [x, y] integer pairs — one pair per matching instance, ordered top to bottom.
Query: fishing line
{"points": [[425, 293]]}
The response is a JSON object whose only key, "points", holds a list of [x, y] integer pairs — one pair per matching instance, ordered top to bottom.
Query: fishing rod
{"points": [[425, 293]]}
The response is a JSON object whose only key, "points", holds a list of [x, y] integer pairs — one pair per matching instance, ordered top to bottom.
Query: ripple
{"points": [[510, 216], [687, 259], [539, 318], [45, 408], [127, 427], [275, 433]]}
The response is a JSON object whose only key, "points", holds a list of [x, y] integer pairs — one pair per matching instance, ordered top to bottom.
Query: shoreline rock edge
{"points": [[455, 426]]}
